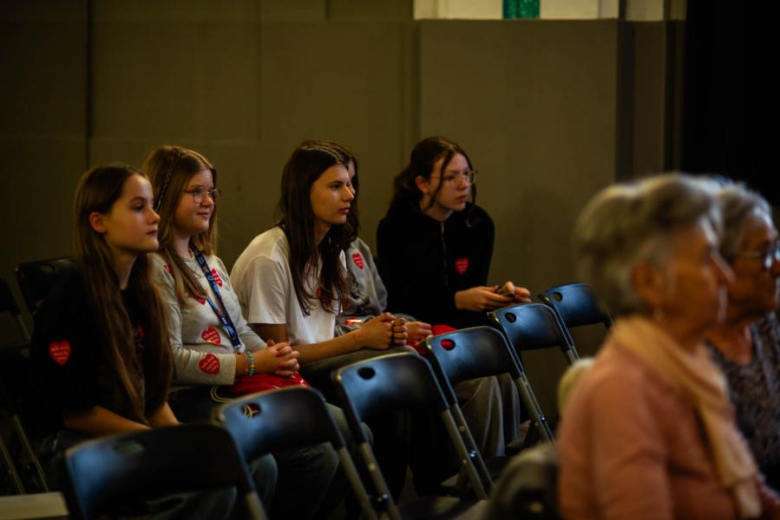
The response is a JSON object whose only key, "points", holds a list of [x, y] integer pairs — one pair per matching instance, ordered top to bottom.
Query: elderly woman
{"points": [[746, 345], [649, 431]]}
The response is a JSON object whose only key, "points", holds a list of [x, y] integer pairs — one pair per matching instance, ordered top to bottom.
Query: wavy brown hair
{"points": [[421, 163], [170, 169], [98, 191], [296, 218]]}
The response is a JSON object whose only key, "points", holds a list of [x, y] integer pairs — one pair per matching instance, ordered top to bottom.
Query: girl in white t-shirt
{"points": [[292, 279]]}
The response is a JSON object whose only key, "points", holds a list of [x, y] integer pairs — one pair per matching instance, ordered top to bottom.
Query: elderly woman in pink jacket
{"points": [[649, 431]]}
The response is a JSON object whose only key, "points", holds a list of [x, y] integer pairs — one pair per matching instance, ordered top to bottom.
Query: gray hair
{"points": [[737, 202], [628, 224]]}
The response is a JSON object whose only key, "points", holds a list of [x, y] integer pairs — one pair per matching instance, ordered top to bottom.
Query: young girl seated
{"points": [[435, 247], [291, 281], [100, 343], [216, 354]]}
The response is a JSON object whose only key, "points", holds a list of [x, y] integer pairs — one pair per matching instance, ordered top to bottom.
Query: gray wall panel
{"points": [[176, 80], [342, 81], [43, 114]]}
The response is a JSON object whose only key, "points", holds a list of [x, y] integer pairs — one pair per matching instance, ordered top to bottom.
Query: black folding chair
{"points": [[36, 279], [576, 304], [534, 326], [463, 353], [468, 354], [14, 365], [403, 381], [279, 420], [106, 476], [527, 488]]}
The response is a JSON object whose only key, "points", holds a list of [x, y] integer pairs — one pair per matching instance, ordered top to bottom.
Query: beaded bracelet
{"points": [[251, 360]]}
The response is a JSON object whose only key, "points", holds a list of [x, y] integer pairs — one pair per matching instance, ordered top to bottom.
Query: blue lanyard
{"points": [[227, 323]]}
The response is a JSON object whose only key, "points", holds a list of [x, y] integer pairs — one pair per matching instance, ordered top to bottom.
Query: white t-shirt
{"points": [[263, 282]]}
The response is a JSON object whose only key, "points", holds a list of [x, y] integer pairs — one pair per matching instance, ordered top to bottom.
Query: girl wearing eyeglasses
{"points": [[435, 244], [435, 247], [216, 353]]}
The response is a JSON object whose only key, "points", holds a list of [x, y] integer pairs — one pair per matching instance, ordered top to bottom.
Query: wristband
{"points": [[251, 360]]}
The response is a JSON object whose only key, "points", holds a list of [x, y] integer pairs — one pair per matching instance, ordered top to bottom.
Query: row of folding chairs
{"points": [[371, 386], [103, 473]]}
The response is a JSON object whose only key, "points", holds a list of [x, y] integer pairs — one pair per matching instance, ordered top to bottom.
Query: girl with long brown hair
{"points": [[435, 246], [291, 279], [292, 282], [99, 339], [217, 355]]}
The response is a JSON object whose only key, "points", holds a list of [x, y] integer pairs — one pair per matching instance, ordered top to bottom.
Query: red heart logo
{"points": [[358, 259], [462, 265], [216, 276], [201, 301], [210, 335], [60, 351], [209, 364]]}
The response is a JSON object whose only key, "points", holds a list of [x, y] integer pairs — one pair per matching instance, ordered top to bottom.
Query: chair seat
{"points": [[442, 507]]}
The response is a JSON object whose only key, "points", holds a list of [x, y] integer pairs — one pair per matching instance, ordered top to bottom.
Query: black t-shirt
{"points": [[424, 262], [73, 373]]}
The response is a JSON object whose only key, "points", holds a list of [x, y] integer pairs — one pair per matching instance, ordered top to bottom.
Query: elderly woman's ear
{"points": [[650, 284]]}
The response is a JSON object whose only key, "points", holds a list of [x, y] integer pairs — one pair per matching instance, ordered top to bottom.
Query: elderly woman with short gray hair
{"points": [[746, 345], [649, 431]]}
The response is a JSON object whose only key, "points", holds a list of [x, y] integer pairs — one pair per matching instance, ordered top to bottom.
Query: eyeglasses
{"points": [[454, 179], [198, 194], [767, 256]]}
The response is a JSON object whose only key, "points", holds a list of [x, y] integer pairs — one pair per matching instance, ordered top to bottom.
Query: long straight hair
{"points": [[421, 163], [170, 169], [98, 191], [295, 217]]}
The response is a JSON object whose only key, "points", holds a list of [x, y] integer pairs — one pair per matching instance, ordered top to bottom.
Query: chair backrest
{"points": [[36, 279], [576, 304], [531, 326], [468, 354], [387, 382], [278, 420], [106, 474], [527, 486]]}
